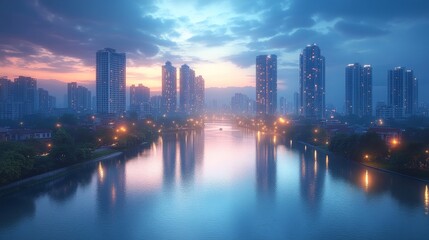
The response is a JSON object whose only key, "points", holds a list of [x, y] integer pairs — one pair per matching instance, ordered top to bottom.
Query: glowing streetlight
{"points": [[394, 142]]}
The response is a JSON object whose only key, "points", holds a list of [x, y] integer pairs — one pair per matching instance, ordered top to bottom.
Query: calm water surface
{"points": [[211, 184]]}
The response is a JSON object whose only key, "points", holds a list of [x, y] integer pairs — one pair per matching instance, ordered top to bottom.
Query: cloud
{"points": [[79, 28], [358, 30], [211, 38]]}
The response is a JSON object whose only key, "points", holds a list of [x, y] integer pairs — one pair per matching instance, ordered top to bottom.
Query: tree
{"points": [[64, 149], [13, 165]]}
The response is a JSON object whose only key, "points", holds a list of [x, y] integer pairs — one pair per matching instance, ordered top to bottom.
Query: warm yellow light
{"points": [[281, 120], [123, 129], [115, 138], [395, 142], [49, 145], [366, 156], [327, 162], [100, 172], [366, 180], [426, 200]]}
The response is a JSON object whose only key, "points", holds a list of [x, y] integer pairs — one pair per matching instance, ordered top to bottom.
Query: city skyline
{"points": [[160, 31]]}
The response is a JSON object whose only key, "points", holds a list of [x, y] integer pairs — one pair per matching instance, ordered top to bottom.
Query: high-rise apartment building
{"points": [[111, 82], [312, 83], [266, 85], [169, 88], [187, 89], [358, 90], [25, 92], [402, 92], [199, 94], [411, 94], [72, 95], [18, 98], [78, 98], [140, 99], [240, 104]]}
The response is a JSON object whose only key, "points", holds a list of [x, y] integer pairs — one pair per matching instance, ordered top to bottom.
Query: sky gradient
{"points": [[50, 39]]}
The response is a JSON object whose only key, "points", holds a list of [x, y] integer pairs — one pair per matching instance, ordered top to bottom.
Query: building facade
{"points": [[110, 81], [312, 83], [266, 85], [169, 88], [187, 89], [358, 90], [402, 92], [199, 94], [140, 100], [240, 104]]}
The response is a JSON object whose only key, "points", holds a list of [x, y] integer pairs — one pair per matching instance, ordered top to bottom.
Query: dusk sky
{"points": [[51, 39]]}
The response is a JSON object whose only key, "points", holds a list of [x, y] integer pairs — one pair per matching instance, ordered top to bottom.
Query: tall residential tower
{"points": [[110, 83], [312, 83], [169, 85], [266, 85], [187, 89], [359, 90], [402, 92]]}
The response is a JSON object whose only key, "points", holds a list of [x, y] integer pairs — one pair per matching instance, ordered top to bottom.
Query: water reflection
{"points": [[169, 141], [191, 146], [327, 162], [265, 165], [311, 180], [366, 180], [374, 183], [111, 187], [426, 200], [19, 206], [136, 209]]}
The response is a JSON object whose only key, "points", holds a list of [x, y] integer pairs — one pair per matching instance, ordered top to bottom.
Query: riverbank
{"points": [[53, 174], [420, 175]]}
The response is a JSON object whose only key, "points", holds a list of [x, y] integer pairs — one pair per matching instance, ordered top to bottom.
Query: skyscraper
{"points": [[110, 83], [312, 83], [169, 85], [266, 85], [187, 89], [359, 90], [402, 91], [25, 92], [199, 94], [411, 94], [72, 95], [18, 98], [78, 98], [84, 99], [140, 99], [296, 103], [240, 104]]}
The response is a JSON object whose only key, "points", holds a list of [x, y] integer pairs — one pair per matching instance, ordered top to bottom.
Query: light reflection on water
{"points": [[229, 184]]}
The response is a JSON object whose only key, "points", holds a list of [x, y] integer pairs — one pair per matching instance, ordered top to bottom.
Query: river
{"points": [[213, 184]]}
